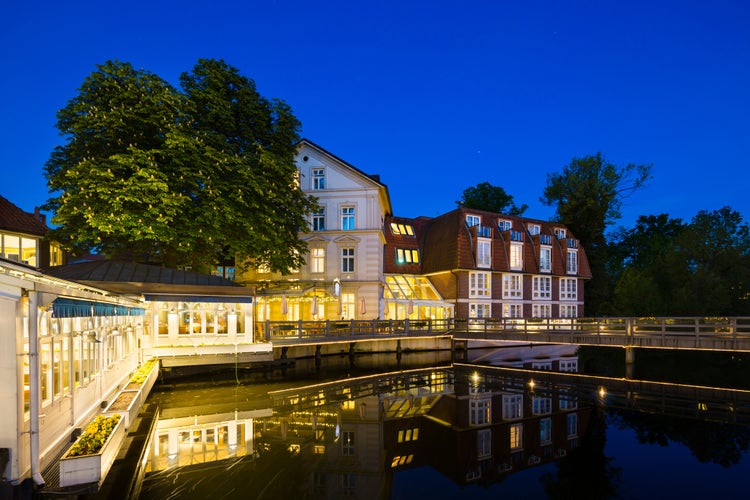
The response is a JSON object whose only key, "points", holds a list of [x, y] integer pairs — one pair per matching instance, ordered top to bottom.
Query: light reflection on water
{"points": [[461, 430]]}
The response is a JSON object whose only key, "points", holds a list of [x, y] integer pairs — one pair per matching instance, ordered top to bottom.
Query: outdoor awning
{"points": [[401, 287], [229, 299], [72, 308]]}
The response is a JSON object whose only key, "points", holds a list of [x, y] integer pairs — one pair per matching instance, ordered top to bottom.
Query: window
{"points": [[318, 178], [347, 218], [319, 220], [473, 220], [504, 225], [402, 229], [533, 229], [559, 233], [484, 253], [407, 256], [516, 256], [545, 259], [347, 260], [318, 261], [572, 261], [263, 268], [479, 285], [512, 286], [542, 287], [568, 288], [347, 306], [479, 310], [512, 311], [541, 311], [568, 311], [543, 365], [569, 365], [568, 400], [512, 406], [541, 406], [480, 411], [572, 425], [545, 430], [407, 435], [516, 436], [347, 443], [484, 443], [401, 460], [349, 484]]}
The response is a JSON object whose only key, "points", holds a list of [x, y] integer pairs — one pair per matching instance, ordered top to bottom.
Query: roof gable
{"points": [[14, 219]]}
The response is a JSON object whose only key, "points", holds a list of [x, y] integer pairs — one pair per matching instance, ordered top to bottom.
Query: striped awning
{"points": [[73, 308]]}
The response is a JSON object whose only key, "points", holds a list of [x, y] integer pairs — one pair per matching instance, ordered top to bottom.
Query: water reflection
{"points": [[476, 425]]}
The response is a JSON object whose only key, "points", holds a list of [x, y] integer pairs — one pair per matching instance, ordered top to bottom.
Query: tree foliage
{"points": [[154, 174], [588, 194], [485, 196]]}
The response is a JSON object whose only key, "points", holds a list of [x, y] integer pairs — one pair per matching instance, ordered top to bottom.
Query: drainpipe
{"points": [[34, 387]]}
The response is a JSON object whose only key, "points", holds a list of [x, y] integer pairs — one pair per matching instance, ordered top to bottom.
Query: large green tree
{"points": [[153, 174], [588, 194], [485, 196]]}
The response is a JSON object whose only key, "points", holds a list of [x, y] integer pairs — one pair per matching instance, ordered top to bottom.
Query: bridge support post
{"points": [[629, 361]]}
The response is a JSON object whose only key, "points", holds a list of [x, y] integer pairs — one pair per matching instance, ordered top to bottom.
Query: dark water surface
{"points": [[502, 423]]}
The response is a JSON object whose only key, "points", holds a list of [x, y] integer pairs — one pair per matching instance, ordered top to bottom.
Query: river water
{"points": [[513, 422]]}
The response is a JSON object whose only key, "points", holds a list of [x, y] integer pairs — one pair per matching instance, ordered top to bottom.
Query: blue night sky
{"points": [[435, 96]]}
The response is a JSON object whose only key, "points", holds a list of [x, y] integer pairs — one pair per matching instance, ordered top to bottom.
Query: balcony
{"points": [[516, 235]]}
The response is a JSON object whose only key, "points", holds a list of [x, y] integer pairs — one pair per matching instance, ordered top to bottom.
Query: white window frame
{"points": [[318, 178], [348, 218], [319, 220], [473, 220], [504, 225], [533, 229], [560, 233], [484, 253], [407, 256], [516, 256], [545, 259], [318, 260], [348, 262], [572, 266], [480, 285], [512, 286], [542, 287], [568, 288], [348, 305], [480, 310], [512, 310], [541, 310], [568, 310], [569, 365], [512, 406], [541, 406], [480, 410]]}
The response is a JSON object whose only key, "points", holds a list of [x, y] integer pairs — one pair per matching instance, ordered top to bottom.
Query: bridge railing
{"points": [[311, 330]]}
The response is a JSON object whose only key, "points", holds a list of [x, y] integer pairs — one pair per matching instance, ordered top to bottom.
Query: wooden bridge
{"points": [[694, 333]]}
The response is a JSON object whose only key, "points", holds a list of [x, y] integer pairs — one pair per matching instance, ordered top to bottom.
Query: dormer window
{"points": [[473, 220], [504, 225], [402, 229], [533, 229], [560, 233]]}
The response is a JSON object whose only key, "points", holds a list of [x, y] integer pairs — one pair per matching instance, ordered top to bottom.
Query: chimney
{"points": [[40, 216]]}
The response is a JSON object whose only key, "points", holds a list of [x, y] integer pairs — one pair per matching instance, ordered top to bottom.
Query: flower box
{"points": [[145, 380], [127, 404], [93, 467]]}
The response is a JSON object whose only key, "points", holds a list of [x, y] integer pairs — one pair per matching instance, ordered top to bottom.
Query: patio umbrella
{"points": [[284, 306], [362, 308], [410, 309]]}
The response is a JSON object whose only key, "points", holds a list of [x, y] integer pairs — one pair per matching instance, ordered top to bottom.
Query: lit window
{"points": [[318, 178], [347, 218], [319, 220], [473, 220], [504, 225], [402, 229], [484, 253], [407, 256], [516, 256], [545, 259], [347, 260], [318, 261], [572, 261], [264, 268], [479, 285], [512, 286], [542, 287], [568, 288], [347, 306], [479, 310], [568, 311], [480, 411], [407, 435], [516, 436]]}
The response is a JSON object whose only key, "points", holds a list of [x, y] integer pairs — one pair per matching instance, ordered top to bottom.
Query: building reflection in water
{"points": [[349, 437]]}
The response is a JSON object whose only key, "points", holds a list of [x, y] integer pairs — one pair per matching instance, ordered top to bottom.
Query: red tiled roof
{"points": [[14, 219]]}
